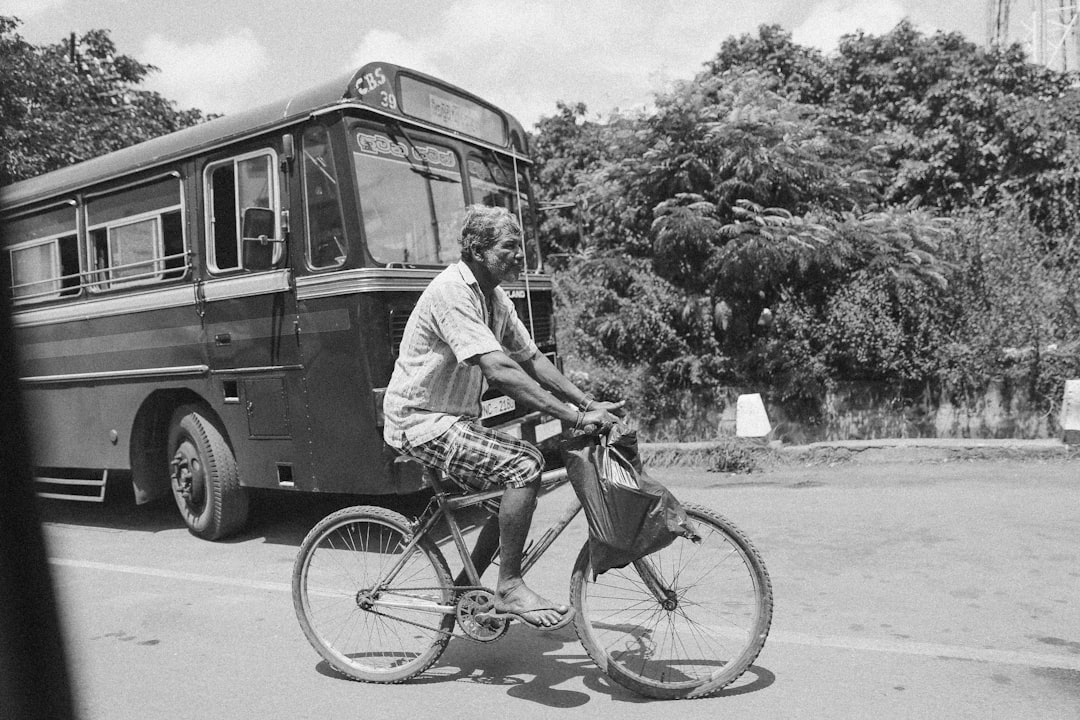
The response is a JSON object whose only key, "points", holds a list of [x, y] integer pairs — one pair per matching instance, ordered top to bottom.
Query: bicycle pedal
{"points": [[488, 620]]}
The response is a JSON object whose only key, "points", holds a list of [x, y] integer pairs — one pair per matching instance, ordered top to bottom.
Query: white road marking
{"points": [[172, 574], [842, 642], [906, 647]]}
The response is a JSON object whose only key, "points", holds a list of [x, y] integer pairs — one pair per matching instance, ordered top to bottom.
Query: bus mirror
{"points": [[288, 151], [260, 239]]}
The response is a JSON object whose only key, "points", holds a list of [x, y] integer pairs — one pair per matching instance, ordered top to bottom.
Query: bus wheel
{"points": [[203, 474]]}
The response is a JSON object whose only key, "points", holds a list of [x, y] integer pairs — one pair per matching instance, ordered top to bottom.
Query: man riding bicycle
{"points": [[464, 330]]}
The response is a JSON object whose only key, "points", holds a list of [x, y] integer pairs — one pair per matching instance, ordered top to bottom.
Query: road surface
{"points": [[934, 590]]}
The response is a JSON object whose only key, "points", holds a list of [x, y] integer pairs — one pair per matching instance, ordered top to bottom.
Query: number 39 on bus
{"points": [[218, 310]]}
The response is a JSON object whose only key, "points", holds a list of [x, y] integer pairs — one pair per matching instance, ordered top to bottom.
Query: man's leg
{"points": [[482, 457], [483, 552], [511, 593]]}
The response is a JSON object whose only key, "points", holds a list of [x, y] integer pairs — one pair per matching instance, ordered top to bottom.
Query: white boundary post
{"points": [[1070, 412], [751, 420]]}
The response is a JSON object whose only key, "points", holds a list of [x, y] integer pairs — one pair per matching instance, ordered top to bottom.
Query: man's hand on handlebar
{"points": [[615, 408], [601, 416]]}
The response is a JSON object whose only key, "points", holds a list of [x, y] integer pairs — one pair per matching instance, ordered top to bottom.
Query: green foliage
{"points": [[799, 72], [55, 111], [961, 125], [901, 211], [905, 243], [1015, 308], [630, 330]]}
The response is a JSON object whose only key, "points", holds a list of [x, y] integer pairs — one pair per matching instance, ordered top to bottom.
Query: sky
{"points": [[522, 55]]}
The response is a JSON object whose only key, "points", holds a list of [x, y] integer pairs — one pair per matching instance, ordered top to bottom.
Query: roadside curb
{"points": [[888, 450]]}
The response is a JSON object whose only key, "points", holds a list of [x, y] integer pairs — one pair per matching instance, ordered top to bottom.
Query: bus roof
{"points": [[345, 89]]}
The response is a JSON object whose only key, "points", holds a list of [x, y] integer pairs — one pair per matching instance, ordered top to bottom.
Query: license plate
{"points": [[496, 406]]}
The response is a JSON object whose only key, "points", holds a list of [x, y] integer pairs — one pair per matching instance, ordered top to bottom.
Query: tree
{"points": [[800, 73], [63, 103], [962, 125], [819, 191]]}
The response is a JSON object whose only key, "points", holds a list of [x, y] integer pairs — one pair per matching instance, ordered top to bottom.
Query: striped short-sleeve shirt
{"points": [[433, 384]]}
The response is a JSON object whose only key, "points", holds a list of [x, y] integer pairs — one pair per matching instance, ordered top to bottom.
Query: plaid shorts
{"points": [[480, 457]]}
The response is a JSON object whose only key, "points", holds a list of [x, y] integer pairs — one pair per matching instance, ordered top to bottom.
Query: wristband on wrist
{"points": [[588, 403], [580, 419]]}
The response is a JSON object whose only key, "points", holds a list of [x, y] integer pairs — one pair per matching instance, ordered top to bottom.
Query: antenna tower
{"points": [[1048, 29]]}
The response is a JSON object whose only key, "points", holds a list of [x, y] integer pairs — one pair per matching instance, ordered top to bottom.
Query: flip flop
{"points": [[566, 619]]}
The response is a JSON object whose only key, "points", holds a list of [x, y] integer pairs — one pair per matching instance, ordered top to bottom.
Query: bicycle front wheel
{"points": [[372, 610], [685, 621]]}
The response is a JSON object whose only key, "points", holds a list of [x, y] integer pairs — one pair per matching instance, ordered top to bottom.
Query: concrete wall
{"points": [[868, 411]]}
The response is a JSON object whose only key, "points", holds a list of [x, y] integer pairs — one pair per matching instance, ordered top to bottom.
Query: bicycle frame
{"points": [[446, 507]]}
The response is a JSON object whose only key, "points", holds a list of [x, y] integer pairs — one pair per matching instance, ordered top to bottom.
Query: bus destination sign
{"points": [[450, 110], [454, 116]]}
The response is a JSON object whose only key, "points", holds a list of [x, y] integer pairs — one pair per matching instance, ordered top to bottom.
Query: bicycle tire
{"points": [[340, 561], [710, 638]]}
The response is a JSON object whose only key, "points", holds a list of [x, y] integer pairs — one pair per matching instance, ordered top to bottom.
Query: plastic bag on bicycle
{"points": [[630, 515]]}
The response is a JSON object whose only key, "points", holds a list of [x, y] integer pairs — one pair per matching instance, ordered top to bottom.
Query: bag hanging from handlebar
{"points": [[630, 515]]}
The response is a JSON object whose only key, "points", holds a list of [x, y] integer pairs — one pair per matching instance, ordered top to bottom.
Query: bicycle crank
{"points": [[471, 605]]}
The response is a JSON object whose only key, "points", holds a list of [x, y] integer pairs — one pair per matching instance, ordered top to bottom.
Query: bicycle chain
{"points": [[428, 627]]}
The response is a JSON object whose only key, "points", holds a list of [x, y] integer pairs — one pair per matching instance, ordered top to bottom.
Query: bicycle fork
{"points": [[666, 596]]}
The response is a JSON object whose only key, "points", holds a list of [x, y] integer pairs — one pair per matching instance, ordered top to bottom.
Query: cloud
{"points": [[26, 9], [830, 19], [391, 47], [525, 54], [211, 76]]}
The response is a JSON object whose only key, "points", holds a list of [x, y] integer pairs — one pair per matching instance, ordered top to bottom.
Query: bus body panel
{"points": [[84, 379], [88, 425]]}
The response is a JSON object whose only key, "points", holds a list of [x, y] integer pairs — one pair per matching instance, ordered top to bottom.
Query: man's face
{"points": [[504, 259]]}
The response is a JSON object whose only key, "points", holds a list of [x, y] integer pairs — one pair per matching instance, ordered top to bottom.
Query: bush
{"points": [[1015, 310], [739, 455]]}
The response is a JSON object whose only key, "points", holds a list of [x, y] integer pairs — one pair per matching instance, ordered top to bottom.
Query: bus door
{"points": [[250, 317], [335, 325]]}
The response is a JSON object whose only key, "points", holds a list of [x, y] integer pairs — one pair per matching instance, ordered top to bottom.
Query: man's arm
{"points": [[544, 372], [542, 387]]}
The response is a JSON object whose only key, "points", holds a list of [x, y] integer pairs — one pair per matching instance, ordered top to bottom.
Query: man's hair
{"points": [[483, 227]]}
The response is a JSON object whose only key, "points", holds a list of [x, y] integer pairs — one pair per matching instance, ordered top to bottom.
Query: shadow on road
{"points": [[118, 511], [278, 517], [533, 665]]}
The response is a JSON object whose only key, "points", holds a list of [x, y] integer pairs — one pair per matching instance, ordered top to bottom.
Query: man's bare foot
{"points": [[519, 600]]}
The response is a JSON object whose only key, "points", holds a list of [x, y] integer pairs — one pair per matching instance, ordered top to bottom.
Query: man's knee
{"points": [[527, 469]]}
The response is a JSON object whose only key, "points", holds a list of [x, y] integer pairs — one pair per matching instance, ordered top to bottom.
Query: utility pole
{"points": [[997, 29]]}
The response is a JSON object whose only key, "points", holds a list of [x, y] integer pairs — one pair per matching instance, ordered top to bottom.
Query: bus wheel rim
{"points": [[189, 478]]}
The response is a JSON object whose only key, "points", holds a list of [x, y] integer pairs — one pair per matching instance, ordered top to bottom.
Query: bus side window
{"points": [[233, 186], [135, 235], [326, 245], [225, 247], [43, 256]]}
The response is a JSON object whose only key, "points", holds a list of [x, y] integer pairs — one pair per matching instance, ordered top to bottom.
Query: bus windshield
{"points": [[412, 195]]}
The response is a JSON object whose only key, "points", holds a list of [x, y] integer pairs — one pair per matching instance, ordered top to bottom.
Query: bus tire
{"points": [[203, 475]]}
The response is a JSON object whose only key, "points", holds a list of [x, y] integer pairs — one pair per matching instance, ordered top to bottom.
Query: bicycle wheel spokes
{"points": [[367, 623], [699, 630]]}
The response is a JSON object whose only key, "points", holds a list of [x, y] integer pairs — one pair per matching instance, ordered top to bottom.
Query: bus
{"points": [[219, 309]]}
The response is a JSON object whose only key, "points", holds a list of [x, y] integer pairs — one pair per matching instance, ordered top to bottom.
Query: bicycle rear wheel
{"points": [[365, 624], [706, 628]]}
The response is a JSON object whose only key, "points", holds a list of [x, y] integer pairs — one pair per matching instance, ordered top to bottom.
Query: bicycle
{"points": [[375, 598]]}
